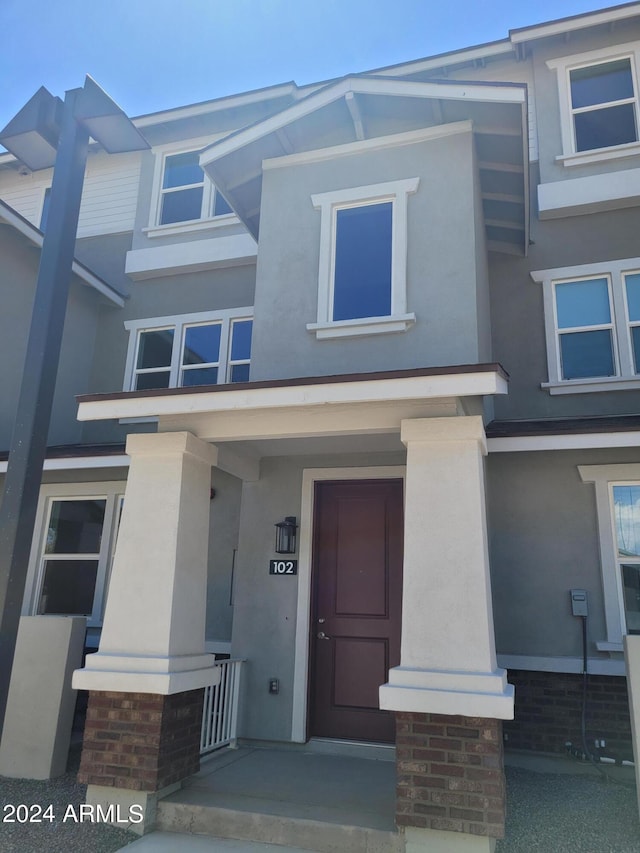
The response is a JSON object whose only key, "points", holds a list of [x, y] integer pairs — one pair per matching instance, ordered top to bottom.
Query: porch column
{"points": [[146, 680], [448, 691]]}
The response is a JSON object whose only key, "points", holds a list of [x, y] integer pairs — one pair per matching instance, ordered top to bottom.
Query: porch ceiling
{"points": [[361, 108]]}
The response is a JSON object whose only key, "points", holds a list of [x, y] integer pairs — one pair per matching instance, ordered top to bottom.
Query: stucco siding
{"points": [[548, 102], [441, 263], [17, 278], [164, 297], [517, 315], [544, 542]]}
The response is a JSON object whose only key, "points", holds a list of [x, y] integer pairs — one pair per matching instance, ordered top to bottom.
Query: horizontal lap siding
{"points": [[109, 198]]}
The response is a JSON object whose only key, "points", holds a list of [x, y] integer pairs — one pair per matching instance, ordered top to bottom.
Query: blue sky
{"points": [[151, 55]]}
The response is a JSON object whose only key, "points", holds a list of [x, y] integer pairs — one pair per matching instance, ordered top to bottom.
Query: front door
{"points": [[357, 606]]}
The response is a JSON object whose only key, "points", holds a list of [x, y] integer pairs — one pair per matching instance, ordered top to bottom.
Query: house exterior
{"points": [[402, 308]]}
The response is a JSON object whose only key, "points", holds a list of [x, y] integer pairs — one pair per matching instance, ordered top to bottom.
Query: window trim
{"points": [[563, 66], [328, 203], [208, 221], [614, 271], [179, 322], [604, 477], [112, 492]]}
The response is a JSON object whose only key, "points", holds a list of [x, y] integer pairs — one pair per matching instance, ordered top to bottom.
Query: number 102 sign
{"points": [[283, 567]]}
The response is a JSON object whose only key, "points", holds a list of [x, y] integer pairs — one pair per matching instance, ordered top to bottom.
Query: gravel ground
{"points": [[547, 813], [552, 813], [58, 836]]}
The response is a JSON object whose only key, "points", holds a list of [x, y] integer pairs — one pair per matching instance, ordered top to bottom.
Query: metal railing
{"points": [[220, 712]]}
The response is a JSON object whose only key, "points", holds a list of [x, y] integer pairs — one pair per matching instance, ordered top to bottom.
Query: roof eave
{"points": [[35, 236]]}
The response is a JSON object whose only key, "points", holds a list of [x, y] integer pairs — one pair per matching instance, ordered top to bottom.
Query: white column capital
{"points": [[463, 428], [170, 444]]}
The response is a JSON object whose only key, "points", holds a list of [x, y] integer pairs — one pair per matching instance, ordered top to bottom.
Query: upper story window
{"points": [[603, 102], [599, 108], [186, 193], [183, 196], [362, 261], [362, 286], [592, 321], [585, 328], [192, 349], [73, 548]]}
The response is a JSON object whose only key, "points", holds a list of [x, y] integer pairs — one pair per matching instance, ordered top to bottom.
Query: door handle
{"points": [[322, 636]]}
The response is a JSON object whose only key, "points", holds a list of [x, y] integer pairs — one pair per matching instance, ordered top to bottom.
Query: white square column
{"points": [[154, 624], [448, 660]]}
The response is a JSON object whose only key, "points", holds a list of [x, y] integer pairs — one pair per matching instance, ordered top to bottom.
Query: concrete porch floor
{"points": [[301, 798], [296, 799]]}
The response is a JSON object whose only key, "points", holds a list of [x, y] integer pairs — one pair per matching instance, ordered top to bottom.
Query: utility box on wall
{"points": [[39, 717]]}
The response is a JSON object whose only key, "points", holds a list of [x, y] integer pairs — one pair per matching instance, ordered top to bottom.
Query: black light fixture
{"points": [[286, 535]]}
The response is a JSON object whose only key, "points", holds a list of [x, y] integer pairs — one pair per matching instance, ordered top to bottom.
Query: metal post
{"points": [[29, 440]]}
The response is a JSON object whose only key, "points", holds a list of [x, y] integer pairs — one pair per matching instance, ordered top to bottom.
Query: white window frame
{"points": [[563, 66], [396, 192], [206, 220], [614, 271], [180, 322], [604, 478], [113, 493]]}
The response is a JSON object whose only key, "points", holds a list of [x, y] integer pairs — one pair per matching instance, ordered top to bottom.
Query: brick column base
{"points": [[141, 741], [450, 773]]}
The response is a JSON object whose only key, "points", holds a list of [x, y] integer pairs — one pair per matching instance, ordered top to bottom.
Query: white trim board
{"points": [[577, 22], [455, 90], [379, 143], [590, 194], [227, 251], [310, 396], [559, 441], [75, 463], [310, 476], [533, 663]]}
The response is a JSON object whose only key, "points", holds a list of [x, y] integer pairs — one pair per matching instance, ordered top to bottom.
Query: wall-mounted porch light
{"points": [[286, 535]]}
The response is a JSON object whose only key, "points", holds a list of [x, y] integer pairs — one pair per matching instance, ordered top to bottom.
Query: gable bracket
{"points": [[356, 115]]}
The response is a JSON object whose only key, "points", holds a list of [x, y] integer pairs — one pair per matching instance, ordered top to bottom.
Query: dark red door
{"points": [[357, 606]]}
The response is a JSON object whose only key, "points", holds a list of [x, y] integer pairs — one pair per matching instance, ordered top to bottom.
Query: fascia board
{"points": [[576, 22], [446, 60], [471, 91], [217, 105], [295, 396]]}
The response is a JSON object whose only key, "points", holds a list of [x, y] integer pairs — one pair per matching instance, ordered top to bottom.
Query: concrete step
{"points": [[298, 799], [269, 822]]}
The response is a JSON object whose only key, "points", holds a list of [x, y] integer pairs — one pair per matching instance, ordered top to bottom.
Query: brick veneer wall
{"points": [[548, 712], [141, 741], [450, 773]]}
